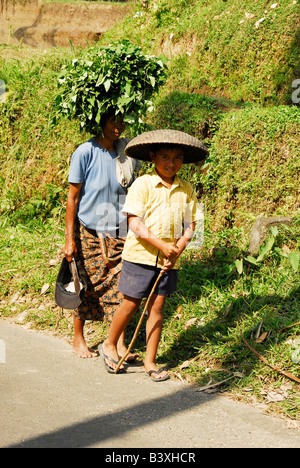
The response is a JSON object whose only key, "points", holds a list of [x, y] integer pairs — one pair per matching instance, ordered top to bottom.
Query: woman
{"points": [[99, 175]]}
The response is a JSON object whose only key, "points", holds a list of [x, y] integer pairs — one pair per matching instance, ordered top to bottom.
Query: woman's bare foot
{"points": [[81, 349]]}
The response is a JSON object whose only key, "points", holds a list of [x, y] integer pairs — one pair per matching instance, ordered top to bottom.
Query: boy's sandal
{"points": [[109, 369], [157, 373]]}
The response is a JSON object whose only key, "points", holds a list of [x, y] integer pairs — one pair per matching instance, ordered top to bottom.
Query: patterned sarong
{"points": [[101, 257]]}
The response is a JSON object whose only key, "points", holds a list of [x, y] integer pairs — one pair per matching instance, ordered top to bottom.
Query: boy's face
{"points": [[168, 162]]}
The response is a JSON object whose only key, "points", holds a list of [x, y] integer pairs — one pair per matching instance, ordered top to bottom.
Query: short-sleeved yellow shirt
{"points": [[163, 210]]}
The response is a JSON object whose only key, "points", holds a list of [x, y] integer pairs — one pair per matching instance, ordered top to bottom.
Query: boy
{"points": [[161, 211]]}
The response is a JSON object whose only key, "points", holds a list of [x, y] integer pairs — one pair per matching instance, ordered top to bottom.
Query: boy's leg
{"points": [[120, 320], [153, 333], [122, 350]]}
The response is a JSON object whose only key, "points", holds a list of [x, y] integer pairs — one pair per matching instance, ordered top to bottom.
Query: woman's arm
{"points": [[71, 211]]}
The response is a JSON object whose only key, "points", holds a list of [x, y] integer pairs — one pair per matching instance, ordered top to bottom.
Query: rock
{"points": [[260, 229]]}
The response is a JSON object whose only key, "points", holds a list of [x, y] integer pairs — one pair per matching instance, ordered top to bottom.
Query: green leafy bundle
{"points": [[118, 75]]}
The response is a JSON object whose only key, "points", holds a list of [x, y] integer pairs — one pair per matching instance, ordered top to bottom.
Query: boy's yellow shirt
{"points": [[163, 211]]}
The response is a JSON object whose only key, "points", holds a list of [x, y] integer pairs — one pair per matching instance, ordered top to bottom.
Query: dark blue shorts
{"points": [[137, 280]]}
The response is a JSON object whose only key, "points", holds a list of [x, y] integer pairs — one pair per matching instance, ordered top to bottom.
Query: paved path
{"points": [[50, 398]]}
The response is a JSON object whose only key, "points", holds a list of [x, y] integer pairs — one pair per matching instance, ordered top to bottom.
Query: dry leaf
{"points": [[258, 22], [54, 262], [45, 288], [190, 322], [262, 337], [185, 364], [179, 377], [280, 394], [273, 397]]}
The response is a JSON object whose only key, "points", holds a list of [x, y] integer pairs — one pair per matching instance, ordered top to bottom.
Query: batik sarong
{"points": [[101, 258]]}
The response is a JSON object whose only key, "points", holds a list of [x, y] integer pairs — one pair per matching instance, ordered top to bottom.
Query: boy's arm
{"points": [[140, 230], [186, 237], [181, 245]]}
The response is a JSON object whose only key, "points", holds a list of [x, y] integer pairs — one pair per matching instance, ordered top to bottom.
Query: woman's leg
{"points": [[80, 347]]}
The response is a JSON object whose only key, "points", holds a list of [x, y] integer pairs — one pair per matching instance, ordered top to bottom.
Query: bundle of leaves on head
{"points": [[116, 76]]}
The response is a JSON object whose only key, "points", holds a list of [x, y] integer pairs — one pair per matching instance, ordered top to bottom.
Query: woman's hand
{"points": [[70, 249]]}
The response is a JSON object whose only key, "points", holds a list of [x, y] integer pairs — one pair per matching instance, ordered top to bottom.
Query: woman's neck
{"points": [[106, 143]]}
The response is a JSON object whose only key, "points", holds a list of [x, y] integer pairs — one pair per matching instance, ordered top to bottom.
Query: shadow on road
{"points": [[116, 424]]}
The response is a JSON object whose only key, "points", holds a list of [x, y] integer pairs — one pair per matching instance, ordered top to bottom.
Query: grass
{"points": [[214, 48], [254, 165]]}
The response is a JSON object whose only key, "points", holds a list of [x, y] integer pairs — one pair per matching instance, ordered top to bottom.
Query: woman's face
{"points": [[113, 127]]}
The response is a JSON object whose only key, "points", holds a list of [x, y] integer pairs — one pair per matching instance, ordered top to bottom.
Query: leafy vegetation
{"points": [[117, 75], [229, 84]]}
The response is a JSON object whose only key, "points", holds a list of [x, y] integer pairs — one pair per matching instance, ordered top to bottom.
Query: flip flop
{"points": [[109, 369], [157, 373]]}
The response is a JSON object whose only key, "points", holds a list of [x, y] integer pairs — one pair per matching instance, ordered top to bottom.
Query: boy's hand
{"points": [[170, 251], [168, 264]]}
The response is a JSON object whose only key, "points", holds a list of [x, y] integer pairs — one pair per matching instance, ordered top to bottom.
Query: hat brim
{"points": [[140, 146]]}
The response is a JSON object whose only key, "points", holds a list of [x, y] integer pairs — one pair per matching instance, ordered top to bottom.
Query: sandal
{"points": [[109, 369], [157, 373]]}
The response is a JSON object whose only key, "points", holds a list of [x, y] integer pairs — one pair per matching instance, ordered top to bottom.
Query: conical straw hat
{"points": [[139, 147]]}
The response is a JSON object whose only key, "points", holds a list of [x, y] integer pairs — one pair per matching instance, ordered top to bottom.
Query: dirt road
{"points": [[50, 398]]}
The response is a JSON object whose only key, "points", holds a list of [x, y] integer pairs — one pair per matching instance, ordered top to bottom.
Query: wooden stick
{"points": [[139, 324], [289, 376]]}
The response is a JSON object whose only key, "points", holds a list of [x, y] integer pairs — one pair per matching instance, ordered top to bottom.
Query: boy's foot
{"points": [[81, 349], [122, 350], [130, 358], [110, 361], [159, 375]]}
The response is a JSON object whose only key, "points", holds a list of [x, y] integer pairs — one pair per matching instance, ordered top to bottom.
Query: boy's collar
{"points": [[176, 181]]}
